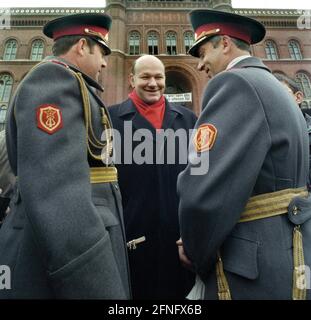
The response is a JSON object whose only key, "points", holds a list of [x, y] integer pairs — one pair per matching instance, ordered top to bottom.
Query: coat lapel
{"points": [[128, 112], [171, 112]]}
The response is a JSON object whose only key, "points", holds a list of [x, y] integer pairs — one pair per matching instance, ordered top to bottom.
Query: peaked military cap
{"points": [[208, 23], [94, 25]]}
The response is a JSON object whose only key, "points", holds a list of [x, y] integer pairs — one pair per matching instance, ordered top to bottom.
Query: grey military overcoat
{"points": [[260, 146], [64, 237]]}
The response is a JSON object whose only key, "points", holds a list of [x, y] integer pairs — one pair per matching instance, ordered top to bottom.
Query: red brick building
{"points": [[156, 27]]}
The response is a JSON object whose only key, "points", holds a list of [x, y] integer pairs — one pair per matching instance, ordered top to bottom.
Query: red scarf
{"points": [[153, 113]]}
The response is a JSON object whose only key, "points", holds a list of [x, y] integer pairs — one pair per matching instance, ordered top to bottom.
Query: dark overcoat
{"points": [[261, 146], [149, 198], [64, 237]]}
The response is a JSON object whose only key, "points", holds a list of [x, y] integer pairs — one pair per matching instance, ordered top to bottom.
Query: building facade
{"points": [[154, 27]]}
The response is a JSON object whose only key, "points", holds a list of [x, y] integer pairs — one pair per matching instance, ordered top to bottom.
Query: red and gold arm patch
{"points": [[49, 118], [205, 137]]}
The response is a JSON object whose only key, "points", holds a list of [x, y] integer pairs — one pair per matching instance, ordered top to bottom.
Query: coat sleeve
{"points": [[55, 189], [214, 192]]}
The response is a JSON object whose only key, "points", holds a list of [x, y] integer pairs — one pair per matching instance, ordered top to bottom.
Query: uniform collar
{"points": [[237, 60], [250, 62], [87, 78]]}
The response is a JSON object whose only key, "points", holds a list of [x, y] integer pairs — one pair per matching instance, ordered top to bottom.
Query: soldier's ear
{"points": [[226, 42], [80, 46], [299, 96]]}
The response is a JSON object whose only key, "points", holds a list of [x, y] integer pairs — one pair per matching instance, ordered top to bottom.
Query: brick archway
{"points": [[180, 80], [177, 83]]}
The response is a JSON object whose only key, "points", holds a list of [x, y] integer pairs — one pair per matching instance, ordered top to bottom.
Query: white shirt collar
{"points": [[237, 60]]}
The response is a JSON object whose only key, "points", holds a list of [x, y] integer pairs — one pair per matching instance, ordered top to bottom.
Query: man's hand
{"points": [[182, 256]]}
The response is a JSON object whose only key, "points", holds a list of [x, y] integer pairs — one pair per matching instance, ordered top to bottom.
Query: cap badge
{"points": [[206, 33], [96, 34]]}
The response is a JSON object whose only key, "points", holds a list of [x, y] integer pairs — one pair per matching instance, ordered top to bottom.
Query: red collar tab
{"points": [[230, 29], [87, 30], [60, 62]]}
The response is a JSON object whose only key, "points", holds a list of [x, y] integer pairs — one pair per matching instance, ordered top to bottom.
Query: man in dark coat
{"points": [[148, 181], [245, 215], [64, 236]]}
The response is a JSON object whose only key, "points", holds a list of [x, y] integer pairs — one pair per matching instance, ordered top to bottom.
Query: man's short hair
{"points": [[63, 44], [242, 45], [293, 85]]}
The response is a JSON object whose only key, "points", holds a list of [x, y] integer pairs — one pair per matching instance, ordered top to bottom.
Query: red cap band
{"points": [[230, 29], [78, 30]]}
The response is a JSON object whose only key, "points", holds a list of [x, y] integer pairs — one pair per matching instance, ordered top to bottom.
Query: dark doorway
{"points": [[178, 83]]}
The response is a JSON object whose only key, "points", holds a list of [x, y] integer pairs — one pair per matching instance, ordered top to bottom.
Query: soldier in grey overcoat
{"points": [[244, 209], [64, 237]]}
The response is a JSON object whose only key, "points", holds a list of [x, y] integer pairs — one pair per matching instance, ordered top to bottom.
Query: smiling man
{"points": [[148, 79], [149, 189], [246, 223], [64, 236]]}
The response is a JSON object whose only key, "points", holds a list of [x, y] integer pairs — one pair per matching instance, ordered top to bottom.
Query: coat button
{"points": [[295, 210]]}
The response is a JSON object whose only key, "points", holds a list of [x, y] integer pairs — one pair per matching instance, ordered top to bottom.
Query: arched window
{"points": [[188, 40], [134, 43], [153, 43], [171, 43], [37, 47], [10, 50], [294, 50], [271, 51], [304, 83], [6, 84]]}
